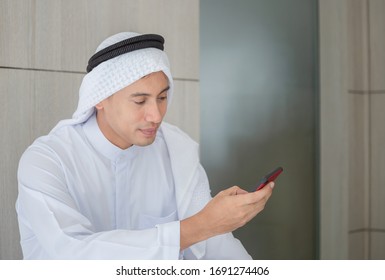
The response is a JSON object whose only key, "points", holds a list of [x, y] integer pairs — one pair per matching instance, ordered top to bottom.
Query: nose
{"points": [[154, 113]]}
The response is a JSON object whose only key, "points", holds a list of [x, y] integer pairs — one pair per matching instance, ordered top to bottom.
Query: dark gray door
{"points": [[258, 111]]}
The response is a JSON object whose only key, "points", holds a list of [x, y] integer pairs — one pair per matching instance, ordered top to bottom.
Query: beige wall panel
{"points": [[16, 25], [62, 35], [357, 35], [377, 45], [55, 98], [33, 102], [365, 103], [185, 110], [15, 111], [334, 124], [359, 157], [377, 161], [358, 245], [378, 246]]}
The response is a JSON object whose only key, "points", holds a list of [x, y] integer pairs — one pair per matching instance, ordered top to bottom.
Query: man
{"points": [[114, 182]]}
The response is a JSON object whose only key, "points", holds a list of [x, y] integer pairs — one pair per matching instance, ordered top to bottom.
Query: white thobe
{"points": [[81, 197]]}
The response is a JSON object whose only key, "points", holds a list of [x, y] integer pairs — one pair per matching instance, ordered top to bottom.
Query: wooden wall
{"points": [[44, 49], [352, 142]]}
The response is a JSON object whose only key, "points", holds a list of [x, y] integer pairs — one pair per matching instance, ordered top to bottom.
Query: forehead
{"points": [[158, 75], [154, 80], [151, 83]]}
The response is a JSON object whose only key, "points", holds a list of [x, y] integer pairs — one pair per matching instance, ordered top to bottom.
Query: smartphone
{"points": [[269, 178]]}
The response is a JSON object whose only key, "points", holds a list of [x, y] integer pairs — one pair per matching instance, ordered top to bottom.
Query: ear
{"points": [[99, 106]]}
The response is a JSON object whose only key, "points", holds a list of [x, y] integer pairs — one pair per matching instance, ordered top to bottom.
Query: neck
{"points": [[108, 132]]}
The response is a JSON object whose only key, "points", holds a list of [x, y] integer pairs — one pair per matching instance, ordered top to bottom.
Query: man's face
{"points": [[133, 115]]}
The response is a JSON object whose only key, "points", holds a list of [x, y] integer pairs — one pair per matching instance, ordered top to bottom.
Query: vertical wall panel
{"points": [[16, 29], [377, 44], [358, 45], [34, 102], [15, 111], [359, 128], [377, 128], [333, 131], [359, 158], [365, 158], [378, 162], [358, 245], [377, 245]]}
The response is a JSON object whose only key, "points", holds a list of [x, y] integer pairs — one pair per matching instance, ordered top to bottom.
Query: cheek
{"points": [[163, 108], [120, 110], [130, 116]]}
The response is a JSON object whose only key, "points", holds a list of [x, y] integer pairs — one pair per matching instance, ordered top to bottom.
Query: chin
{"points": [[145, 142]]}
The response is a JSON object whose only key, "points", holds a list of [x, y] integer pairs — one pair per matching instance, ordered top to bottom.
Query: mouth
{"points": [[149, 132]]}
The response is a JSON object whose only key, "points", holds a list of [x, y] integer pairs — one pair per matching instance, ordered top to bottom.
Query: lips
{"points": [[149, 132]]}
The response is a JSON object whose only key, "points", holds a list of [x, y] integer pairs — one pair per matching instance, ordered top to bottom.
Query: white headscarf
{"points": [[115, 74]]}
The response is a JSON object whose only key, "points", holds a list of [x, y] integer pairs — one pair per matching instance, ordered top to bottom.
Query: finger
{"points": [[231, 191], [241, 191], [262, 194]]}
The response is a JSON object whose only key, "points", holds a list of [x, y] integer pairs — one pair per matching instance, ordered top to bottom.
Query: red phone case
{"points": [[269, 178]]}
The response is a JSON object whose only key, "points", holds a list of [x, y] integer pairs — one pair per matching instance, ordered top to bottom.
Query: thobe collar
{"points": [[103, 145]]}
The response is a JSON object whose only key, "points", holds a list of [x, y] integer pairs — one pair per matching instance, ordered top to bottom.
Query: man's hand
{"points": [[227, 211]]}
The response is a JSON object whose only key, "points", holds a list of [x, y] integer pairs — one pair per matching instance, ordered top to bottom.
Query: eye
{"points": [[162, 98], [139, 102]]}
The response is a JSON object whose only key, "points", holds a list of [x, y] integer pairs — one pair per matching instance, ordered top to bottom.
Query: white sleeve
{"points": [[52, 227], [224, 246]]}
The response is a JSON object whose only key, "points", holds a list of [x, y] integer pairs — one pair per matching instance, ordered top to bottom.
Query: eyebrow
{"points": [[136, 94]]}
